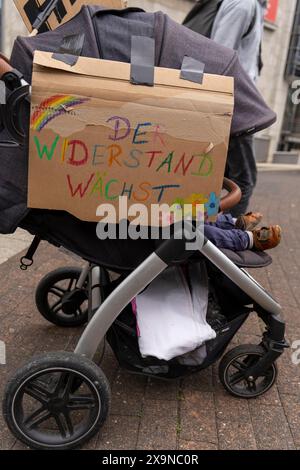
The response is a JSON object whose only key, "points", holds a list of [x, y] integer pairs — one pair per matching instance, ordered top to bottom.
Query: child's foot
{"points": [[249, 221], [266, 238]]}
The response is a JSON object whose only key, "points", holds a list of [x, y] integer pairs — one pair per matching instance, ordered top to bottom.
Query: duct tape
{"points": [[70, 49], [142, 60], [192, 70], [2, 92]]}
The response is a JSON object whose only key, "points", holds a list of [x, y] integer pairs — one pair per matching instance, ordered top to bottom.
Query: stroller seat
{"points": [[63, 229], [249, 258]]}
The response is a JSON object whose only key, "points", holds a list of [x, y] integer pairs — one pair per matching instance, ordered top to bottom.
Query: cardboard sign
{"points": [[64, 11], [96, 137]]}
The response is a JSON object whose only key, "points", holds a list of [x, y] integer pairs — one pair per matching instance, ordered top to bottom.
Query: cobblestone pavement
{"points": [[12, 244], [195, 413]]}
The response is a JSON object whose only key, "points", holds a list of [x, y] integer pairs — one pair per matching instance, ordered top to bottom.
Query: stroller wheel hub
{"points": [[60, 301], [72, 301], [237, 364], [56, 404]]}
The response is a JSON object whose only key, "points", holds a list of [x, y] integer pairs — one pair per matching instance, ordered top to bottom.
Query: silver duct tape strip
{"points": [[70, 49], [142, 60], [192, 70]]}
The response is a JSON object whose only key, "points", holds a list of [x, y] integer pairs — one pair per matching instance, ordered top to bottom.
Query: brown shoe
{"points": [[249, 221], [266, 238]]}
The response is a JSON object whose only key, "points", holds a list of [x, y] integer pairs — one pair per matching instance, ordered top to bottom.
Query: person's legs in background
{"points": [[241, 168]]}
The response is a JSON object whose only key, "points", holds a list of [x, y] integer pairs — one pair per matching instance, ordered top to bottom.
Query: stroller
{"points": [[60, 400]]}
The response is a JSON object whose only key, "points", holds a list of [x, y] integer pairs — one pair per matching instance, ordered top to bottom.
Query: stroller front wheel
{"points": [[59, 301], [234, 366], [57, 401]]}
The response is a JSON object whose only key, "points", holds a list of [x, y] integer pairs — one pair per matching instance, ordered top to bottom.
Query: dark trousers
{"points": [[241, 168]]}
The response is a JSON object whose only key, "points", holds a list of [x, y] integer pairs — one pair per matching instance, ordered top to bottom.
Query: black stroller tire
{"points": [[55, 315], [234, 364], [71, 372]]}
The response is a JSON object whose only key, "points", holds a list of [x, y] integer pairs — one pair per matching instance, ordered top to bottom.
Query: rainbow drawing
{"points": [[53, 107]]}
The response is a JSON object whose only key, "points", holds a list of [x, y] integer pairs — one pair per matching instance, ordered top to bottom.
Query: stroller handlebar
{"points": [[232, 198]]}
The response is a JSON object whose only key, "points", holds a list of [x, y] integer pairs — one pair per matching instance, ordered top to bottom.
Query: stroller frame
{"points": [[143, 275], [81, 367], [72, 370]]}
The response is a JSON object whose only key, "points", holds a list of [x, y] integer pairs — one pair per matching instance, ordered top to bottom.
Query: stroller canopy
{"points": [[108, 36]]}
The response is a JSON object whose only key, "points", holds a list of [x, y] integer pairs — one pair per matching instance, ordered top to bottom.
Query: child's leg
{"points": [[225, 222], [245, 222], [235, 240]]}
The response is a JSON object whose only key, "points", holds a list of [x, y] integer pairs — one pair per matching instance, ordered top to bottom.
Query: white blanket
{"points": [[171, 316]]}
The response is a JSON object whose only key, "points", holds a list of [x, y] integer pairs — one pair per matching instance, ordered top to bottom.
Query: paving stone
{"points": [[13, 244], [251, 326], [292, 330], [243, 338], [110, 365], [289, 375], [202, 381], [130, 382], [289, 387], [162, 389], [127, 394], [270, 398], [124, 405], [291, 406], [229, 408], [198, 417], [159, 425], [271, 429], [235, 431], [119, 433], [235, 435], [7, 441], [93, 443], [191, 445], [19, 446]]}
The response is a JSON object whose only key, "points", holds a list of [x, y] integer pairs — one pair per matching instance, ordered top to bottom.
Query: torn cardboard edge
{"points": [[122, 71]]}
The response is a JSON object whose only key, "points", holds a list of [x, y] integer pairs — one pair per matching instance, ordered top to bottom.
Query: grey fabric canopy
{"points": [[108, 36]]}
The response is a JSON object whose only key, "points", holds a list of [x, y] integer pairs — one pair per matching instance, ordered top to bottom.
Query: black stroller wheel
{"points": [[59, 301], [235, 364], [57, 401]]}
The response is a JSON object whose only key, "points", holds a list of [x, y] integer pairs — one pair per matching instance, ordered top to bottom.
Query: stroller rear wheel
{"points": [[59, 301], [234, 366], [56, 401]]}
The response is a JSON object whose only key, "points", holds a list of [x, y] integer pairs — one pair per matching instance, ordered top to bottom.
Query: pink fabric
{"points": [[134, 310]]}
